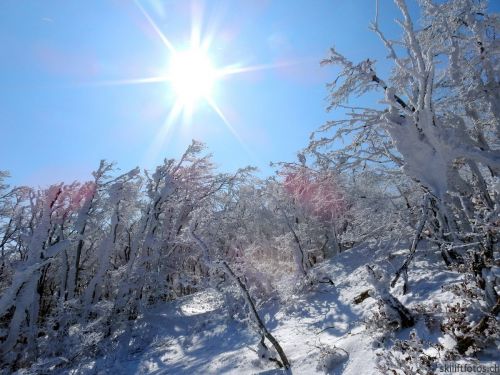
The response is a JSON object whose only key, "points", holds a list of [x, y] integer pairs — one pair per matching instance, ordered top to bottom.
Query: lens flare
{"points": [[191, 76]]}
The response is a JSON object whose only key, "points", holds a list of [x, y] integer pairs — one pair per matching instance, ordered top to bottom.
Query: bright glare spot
{"points": [[192, 76], [201, 302]]}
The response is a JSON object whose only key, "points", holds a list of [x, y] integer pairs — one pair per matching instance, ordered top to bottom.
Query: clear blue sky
{"points": [[57, 121]]}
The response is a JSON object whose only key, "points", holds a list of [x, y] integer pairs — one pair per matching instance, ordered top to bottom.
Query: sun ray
{"points": [[196, 15], [153, 24], [238, 69], [219, 73], [133, 81], [217, 110], [187, 112], [228, 125], [160, 138]]}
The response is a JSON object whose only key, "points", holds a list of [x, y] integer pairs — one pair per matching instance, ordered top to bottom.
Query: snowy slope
{"points": [[195, 336]]}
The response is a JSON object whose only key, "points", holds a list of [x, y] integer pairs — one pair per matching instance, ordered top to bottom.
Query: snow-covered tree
{"points": [[439, 121], [437, 125]]}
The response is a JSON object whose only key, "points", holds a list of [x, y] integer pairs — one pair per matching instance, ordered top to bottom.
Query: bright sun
{"points": [[192, 76]]}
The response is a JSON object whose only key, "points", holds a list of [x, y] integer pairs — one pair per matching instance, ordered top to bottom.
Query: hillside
{"points": [[320, 327]]}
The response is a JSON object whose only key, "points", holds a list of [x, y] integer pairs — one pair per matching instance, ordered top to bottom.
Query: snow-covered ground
{"points": [[322, 325]]}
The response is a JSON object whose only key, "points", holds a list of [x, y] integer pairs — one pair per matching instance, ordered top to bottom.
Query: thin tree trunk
{"points": [[79, 248], [404, 268], [257, 318], [263, 330]]}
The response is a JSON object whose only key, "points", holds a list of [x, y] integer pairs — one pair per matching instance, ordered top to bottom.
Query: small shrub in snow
{"points": [[391, 314], [471, 322], [470, 337], [407, 357], [331, 358]]}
